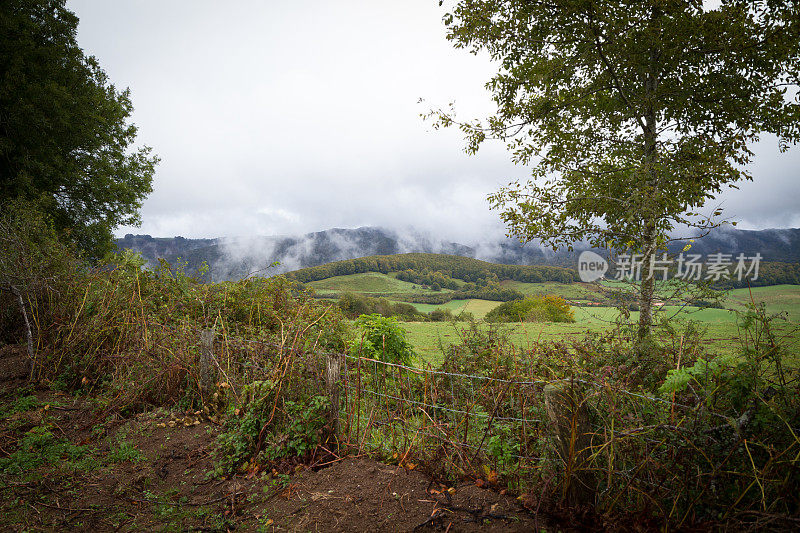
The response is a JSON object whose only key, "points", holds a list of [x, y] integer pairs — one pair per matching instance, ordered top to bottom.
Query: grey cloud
{"points": [[291, 117]]}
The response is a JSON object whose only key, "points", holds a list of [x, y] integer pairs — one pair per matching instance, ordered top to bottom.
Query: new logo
{"points": [[591, 266]]}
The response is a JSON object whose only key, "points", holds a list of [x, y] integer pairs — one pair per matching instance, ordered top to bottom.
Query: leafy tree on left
{"points": [[66, 144]]}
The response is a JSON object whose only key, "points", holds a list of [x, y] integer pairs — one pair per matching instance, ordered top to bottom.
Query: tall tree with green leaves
{"points": [[632, 114], [66, 142]]}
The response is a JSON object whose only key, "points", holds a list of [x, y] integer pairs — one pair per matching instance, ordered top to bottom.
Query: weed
{"points": [[382, 338], [25, 403], [40, 447], [124, 451]]}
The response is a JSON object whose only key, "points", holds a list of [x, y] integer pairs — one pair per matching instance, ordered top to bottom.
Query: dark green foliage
{"points": [[65, 140], [450, 266], [769, 273], [434, 280], [492, 291], [433, 299], [353, 306], [537, 309], [441, 315], [446, 315]]}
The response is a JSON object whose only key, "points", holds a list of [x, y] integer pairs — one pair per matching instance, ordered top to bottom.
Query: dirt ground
{"points": [[69, 463]]}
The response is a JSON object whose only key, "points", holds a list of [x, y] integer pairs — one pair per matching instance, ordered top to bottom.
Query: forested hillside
{"points": [[453, 266]]}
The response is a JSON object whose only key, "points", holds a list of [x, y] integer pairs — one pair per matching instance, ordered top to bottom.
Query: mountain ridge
{"points": [[235, 258]]}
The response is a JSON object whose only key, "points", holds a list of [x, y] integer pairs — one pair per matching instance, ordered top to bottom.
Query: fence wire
{"points": [[500, 428]]}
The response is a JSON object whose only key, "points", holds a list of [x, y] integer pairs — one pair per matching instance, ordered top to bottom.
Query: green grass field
{"points": [[369, 284], [778, 298], [478, 308], [720, 325], [721, 333]]}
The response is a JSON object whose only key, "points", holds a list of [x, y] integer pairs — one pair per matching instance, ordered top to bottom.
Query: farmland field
{"points": [[368, 284], [568, 291], [478, 308], [594, 315], [719, 325]]}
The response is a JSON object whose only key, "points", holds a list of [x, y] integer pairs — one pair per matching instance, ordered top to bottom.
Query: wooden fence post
{"points": [[206, 366], [332, 375], [566, 410]]}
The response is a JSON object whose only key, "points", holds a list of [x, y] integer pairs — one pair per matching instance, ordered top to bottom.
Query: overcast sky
{"points": [[289, 117]]}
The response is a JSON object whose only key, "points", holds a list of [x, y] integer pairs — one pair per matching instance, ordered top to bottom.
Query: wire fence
{"points": [[467, 423], [470, 423], [498, 429], [577, 434]]}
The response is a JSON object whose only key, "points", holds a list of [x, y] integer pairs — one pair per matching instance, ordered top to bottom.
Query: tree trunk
{"points": [[650, 213], [646, 291], [28, 333]]}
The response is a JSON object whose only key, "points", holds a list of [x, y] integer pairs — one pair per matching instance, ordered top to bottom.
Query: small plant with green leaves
{"points": [[382, 338], [304, 429], [503, 445], [123, 451]]}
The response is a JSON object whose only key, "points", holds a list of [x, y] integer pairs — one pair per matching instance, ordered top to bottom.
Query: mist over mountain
{"points": [[235, 258]]}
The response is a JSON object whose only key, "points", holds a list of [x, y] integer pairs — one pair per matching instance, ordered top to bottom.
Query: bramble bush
{"points": [[100, 328], [270, 424], [677, 434]]}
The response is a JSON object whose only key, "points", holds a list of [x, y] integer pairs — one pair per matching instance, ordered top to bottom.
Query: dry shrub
{"points": [[136, 332]]}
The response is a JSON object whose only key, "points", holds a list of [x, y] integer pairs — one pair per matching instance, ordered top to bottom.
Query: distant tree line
{"points": [[452, 266], [769, 273], [433, 280], [486, 288], [354, 305]]}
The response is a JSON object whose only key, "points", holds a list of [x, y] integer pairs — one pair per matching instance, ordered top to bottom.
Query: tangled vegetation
{"points": [[100, 328], [678, 436]]}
